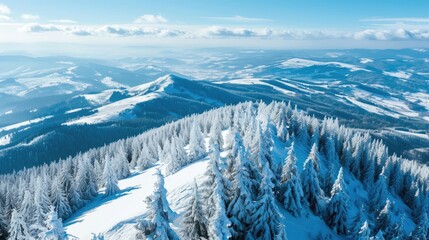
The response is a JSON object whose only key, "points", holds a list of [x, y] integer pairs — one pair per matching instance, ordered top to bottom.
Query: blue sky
{"points": [[283, 24]]}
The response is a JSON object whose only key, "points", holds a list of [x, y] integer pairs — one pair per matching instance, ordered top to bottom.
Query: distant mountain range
{"points": [[53, 107]]}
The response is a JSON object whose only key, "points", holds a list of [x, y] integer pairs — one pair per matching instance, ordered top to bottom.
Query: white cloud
{"points": [[4, 10], [30, 17], [4, 18], [239, 18], [152, 19], [63, 21], [39, 28], [117, 30], [140, 31], [216, 31], [220, 32], [392, 35]]}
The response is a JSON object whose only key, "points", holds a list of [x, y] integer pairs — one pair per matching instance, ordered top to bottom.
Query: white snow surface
{"points": [[366, 60], [301, 63], [399, 74], [113, 110], [25, 123], [111, 213]]}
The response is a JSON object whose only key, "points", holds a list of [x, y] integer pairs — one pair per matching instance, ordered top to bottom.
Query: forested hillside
{"points": [[267, 166]]}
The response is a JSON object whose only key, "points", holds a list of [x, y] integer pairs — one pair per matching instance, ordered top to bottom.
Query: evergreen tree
{"points": [[216, 133], [197, 147], [145, 159], [122, 165], [110, 179], [86, 180], [311, 187], [214, 189], [379, 193], [292, 194], [59, 199], [41, 204], [242, 205], [27, 209], [337, 211], [384, 218], [3, 220], [266, 220], [194, 222], [357, 223], [156, 225], [54, 227], [422, 228], [18, 229], [398, 229], [364, 232]]}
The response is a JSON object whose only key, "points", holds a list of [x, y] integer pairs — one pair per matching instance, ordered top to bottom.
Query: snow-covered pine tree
{"points": [[282, 131], [216, 133], [197, 147], [260, 153], [358, 155], [314, 158], [120, 159], [146, 159], [109, 177], [86, 180], [311, 187], [291, 191], [379, 193], [214, 194], [74, 198], [59, 199], [242, 204], [41, 206], [27, 208], [337, 210], [385, 218], [3, 221], [194, 222], [266, 222], [157, 223], [357, 223], [54, 227], [422, 227], [18, 229], [398, 229], [364, 232]]}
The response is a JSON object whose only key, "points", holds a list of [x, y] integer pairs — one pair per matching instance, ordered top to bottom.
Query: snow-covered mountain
{"points": [[385, 91], [250, 170]]}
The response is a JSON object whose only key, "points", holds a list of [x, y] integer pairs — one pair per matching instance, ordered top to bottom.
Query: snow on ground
{"points": [[366, 60], [301, 63], [399, 74], [108, 81], [99, 98], [391, 103], [371, 108], [75, 110], [113, 110], [25, 123], [5, 140], [121, 211]]}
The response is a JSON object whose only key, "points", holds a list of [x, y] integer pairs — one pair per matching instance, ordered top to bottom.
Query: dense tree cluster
{"points": [[244, 192]]}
